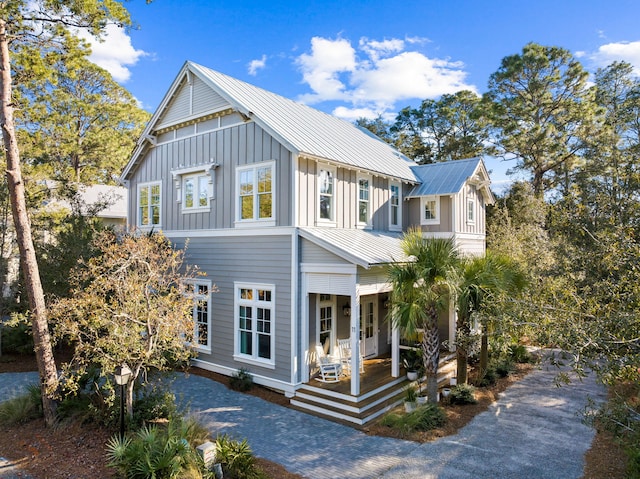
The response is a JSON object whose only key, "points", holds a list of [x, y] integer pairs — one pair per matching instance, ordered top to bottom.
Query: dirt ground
{"points": [[74, 451]]}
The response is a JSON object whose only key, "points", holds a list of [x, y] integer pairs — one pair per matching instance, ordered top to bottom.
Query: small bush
{"points": [[17, 339], [519, 354], [504, 367], [489, 378], [242, 380], [410, 394], [463, 394], [153, 404], [22, 408], [425, 418], [237, 459]]}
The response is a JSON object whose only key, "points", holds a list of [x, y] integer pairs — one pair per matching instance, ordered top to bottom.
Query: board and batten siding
{"points": [[191, 99], [229, 147], [345, 197], [446, 215], [246, 259]]}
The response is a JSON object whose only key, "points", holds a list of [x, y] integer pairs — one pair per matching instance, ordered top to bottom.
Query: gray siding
{"points": [[190, 100], [229, 147], [345, 197], [446, 215], [312, 253], [226, 260]]}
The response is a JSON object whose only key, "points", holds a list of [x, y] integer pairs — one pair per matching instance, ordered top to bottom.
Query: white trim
{"points": [[398, 185], [182, 191], [471, 208], [256, 220], [431, 221], [230, 232], [328, 268], [209, 300], [334, 319], [294, 346], [254, 359]]}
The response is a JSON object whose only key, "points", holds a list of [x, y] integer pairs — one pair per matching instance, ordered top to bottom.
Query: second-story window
{"points": [[326, 179], [196, 191], [255, 193], [149, 204], [364, 206], [430, 210], [471, 211], [395, 213]]}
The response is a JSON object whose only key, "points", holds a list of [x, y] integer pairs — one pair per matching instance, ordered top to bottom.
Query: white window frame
{"points": [[150, 186], [423, 204], [196, 206], [471, 211], [332, 219], [256, 220], [367, 223], [398, 226], [198, 298], [254, 303], [325, 303]]}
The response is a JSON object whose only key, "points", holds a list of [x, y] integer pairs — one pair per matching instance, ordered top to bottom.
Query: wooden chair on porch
{"points": [[344, 350], [329, 371]]}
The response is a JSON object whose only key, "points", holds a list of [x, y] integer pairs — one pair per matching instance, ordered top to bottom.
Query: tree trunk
{"points": [[40, 329], [463, 331], [484, 352], [431, 358]]}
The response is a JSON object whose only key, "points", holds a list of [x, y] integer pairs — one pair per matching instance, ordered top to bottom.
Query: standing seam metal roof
{"points": [[310, 131], [443, 178]]}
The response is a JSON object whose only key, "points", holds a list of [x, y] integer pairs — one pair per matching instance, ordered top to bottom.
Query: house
{"points": [[293, 214]]}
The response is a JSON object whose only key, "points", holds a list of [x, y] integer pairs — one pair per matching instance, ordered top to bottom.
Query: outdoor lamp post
{"points": [[122, 374]]}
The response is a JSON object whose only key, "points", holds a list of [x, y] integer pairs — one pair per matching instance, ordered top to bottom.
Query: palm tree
{"points": [[483, 282], [421, 291]]}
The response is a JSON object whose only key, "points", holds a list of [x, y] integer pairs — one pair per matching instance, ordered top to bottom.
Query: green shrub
{"points": [[17, 339], [519, 353], [504, 367], [489, 378], [242, 380], [410, 394], [463, 394], [152, 404], [22, 408], [424, 418], [154, 452], [237, 459]]}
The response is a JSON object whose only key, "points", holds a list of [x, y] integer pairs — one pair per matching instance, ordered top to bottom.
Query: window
{"points": [[326, 179], [196, 191], [255, 193], [149, 204], [364, 208], [430, 210], [395, 212], [471, 212], [201, 293], [255, 314], [325, 322]]}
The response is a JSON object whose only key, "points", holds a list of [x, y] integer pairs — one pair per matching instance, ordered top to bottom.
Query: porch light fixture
{"points": [[386, 303], [346, 309]]}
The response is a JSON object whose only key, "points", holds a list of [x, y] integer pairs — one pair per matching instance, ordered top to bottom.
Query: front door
{"points": [[369, 326], [325, 332]]}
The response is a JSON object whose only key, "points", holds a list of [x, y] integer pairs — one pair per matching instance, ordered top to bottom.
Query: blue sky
{"points": [[359, 58]]}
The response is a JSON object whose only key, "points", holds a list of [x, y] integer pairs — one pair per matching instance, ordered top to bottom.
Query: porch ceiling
{"points": [[360, 247]]}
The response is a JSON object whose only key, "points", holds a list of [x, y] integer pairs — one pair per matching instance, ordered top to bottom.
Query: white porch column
{"points": [[355, 340], [395, 352]]}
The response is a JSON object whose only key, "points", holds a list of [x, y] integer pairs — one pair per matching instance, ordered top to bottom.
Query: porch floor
{"points": [[377, 373]]}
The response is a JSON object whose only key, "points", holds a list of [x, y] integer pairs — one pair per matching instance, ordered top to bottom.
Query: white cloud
{"points": [[621, 51], [113, 52], [255, 65], [376, 75]]}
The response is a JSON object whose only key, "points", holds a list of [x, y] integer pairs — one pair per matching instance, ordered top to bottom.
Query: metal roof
{"points": [[308, 131], [444, 178], [361, 247]]}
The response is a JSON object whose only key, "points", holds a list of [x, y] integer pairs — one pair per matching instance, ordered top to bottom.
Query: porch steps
{"points": [[368, 406]]}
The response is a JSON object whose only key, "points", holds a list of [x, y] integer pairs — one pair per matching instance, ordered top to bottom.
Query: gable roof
{"points": [[304, 130], [449, 177], [360, 247]]}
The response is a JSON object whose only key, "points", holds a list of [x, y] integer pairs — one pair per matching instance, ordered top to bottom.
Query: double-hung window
{"points": [[196, 191], [256, 191], [326, 196], [149, 200], [364, 204], [395, 207], [471, 210], [430, 214], [200, 291], [254, 323]]}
